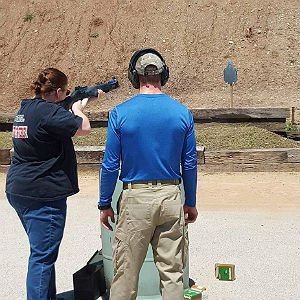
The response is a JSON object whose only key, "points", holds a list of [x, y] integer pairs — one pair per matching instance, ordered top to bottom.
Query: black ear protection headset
{"points": [[132, 73]]}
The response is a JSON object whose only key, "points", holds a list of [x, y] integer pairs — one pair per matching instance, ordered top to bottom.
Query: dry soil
{"points": [[93, 40]]}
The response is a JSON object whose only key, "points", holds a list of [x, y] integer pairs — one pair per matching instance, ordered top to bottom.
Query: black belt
{"points": [[141, 184]]}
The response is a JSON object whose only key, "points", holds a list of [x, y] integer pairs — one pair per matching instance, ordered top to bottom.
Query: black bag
{"points": [[89, 281]]}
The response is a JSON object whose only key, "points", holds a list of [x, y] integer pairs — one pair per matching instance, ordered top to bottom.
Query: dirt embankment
{"points": [[92, 40]]}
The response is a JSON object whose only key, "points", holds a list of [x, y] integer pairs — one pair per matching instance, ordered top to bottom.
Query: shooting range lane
{"points": [[247, 219]]}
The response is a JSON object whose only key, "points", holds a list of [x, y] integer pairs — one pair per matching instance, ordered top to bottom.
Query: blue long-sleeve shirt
{"points": [[152, 135]]}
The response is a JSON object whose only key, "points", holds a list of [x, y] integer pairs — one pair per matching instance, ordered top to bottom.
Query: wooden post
{"points": [[231, 95], [293, 116]]}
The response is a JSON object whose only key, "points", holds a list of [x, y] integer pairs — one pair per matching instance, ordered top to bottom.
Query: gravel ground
{"points": [[248, 219]]}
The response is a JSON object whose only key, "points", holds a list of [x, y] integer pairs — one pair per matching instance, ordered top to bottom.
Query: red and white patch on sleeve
{"points": [[19, 132]]}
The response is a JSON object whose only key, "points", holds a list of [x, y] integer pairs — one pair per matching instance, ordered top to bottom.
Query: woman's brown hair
{"points": [[49, 80]]}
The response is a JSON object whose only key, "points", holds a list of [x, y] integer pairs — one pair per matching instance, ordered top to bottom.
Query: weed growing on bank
{"points": [[28, 17]]}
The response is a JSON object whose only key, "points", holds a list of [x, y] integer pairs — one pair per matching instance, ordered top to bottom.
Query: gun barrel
{"points": [[88, 92]]}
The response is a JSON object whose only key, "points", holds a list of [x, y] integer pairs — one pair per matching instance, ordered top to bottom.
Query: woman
{"points": [[44, 173]]}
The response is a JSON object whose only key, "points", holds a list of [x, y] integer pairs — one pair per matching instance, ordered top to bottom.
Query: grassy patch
{"points": [[28, 17], [94, 34], [289, 126], [212, 136], [239, 136], [96, 138], [5, 140]]}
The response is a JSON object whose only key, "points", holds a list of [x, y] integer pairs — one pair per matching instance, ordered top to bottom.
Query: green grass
{"points": [[28, 17], [94, 34], [292, 127], [212, 136], [239, 136], [96, 138], [5, 140]]}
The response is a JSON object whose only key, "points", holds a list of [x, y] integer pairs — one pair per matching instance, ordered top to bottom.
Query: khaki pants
{"points": [[152, 214]]}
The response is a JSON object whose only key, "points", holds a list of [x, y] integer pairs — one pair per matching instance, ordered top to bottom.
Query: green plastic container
{"points": [[225, 272], [148, 288], [191, 294]]}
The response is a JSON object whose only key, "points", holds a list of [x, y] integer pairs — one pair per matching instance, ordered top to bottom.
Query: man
{"points": [[153, 137]]}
